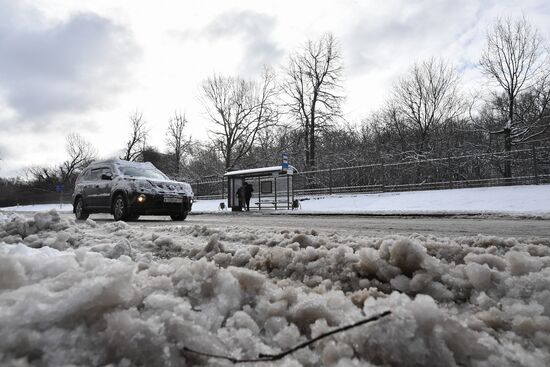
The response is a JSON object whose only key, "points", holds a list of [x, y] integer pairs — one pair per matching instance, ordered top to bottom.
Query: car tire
{"points": [[120, 208], [79, 211], [179, 217]]}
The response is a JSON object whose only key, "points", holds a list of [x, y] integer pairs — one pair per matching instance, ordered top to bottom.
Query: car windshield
{"points": [[143, 172]]}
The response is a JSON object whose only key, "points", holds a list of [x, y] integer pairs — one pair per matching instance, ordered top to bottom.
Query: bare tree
{"points": [[515, 59], [313, 85], [423, 102], [239, 110], [532, 113], [138, 136], [176, 141], [80, 153], [42, 175]]}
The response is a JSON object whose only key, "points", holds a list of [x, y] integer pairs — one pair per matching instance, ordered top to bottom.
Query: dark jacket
{"points": [[248, 190]]}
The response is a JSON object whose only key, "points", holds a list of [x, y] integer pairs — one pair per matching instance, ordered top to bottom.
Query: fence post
{"points": [[535, 166], [383, 169], [450, 172], [330, 181], [275, 184], [287, 192]]}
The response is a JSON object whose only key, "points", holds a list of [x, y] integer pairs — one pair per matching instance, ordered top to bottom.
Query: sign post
{"points": [[284, 166], [59, 188]]}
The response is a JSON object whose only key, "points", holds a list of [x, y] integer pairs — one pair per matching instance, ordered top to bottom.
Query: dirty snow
{"points": [[110, 294]]}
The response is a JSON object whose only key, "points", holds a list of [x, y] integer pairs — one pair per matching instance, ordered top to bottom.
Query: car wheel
{"points": [[120, 208], [79, 211], [179, 217]]}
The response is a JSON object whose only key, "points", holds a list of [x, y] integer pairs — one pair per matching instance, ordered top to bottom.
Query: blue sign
{"points": [[284, 166], [59, 188]]}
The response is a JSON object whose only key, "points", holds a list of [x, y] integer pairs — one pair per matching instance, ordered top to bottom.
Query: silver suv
{"points": [[128, 190]]}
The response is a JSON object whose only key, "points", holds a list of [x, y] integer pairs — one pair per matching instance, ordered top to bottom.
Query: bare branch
{"points": [[313, 86], [424, 101], [239, 111], [138, 137], [176, 141], [80, 153], [276, 357]]}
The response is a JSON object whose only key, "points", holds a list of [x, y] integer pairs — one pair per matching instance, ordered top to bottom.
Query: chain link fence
{"points": [[529, 166]]}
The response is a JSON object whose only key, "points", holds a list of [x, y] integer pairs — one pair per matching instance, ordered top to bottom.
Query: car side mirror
{"points": [[106, 176]]}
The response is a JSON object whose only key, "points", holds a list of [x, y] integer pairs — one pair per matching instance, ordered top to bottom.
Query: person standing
{"points": [[248, 190], [241, 196]]}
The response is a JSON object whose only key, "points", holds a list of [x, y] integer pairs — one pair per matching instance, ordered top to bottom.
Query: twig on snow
{"points": [[273, 357]]}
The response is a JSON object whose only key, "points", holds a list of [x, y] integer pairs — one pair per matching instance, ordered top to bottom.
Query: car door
{"points": [[83, 187], [93, 188], [103, 188]]}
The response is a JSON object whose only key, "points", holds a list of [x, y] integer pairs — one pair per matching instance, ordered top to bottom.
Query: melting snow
{"points": [[110, 294]]}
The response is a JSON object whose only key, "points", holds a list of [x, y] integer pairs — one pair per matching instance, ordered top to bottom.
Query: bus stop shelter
{"points": [[272, 186]]}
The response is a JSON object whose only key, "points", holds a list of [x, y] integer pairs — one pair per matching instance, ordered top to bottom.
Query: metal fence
{"points": [[529, 166], [32, 197]]}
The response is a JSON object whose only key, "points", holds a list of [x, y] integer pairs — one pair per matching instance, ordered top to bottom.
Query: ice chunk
{"points": [[407, 255], [521, 263], [12, 273], [478, 275], [250, 281]]}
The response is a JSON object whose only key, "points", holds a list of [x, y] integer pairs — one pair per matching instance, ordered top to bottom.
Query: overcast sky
{"points": [[85, 66]]}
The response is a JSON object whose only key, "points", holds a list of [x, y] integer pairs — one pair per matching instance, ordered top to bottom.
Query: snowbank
{"points": [[529, 200], [88, 294]]}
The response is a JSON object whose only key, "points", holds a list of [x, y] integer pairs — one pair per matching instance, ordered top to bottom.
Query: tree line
{"points": [[298, 109]]}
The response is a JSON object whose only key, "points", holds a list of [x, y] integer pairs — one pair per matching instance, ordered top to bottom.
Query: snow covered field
{"points": [[514, 200], [534, 200], [95, 294]]}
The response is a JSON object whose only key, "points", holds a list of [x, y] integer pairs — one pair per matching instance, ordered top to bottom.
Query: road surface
{"points": [[364, 225]]}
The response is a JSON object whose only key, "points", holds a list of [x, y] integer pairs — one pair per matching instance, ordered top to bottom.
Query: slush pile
{"points": [[113, 294]]}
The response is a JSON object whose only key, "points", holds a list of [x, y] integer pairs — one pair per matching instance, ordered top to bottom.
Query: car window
{"points": [[106, 171], [143, 172], [95, 174], [83, 176]]}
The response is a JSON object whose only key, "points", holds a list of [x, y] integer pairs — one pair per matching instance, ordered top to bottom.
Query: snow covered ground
{"points": [[515, 200], [534, 200], [65, 208], [112, 294]]}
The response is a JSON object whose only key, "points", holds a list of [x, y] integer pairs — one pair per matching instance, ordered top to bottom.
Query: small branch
{"points": [[275, 357]]}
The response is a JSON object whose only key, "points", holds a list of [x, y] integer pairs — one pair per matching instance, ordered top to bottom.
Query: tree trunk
{"points": [[306, 141], [508, 141], [227, 159], [312, 162]]}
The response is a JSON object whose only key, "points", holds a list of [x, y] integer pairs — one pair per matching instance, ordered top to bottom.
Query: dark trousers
{"points": [[248, 204]]}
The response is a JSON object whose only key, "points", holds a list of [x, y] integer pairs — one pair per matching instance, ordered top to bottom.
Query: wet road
{"points": [[364, 225]]}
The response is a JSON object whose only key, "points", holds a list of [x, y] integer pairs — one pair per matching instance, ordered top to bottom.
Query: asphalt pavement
{"points": [[364, 225]]}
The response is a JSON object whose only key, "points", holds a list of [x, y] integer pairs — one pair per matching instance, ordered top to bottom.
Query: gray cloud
{"points": [[253, 29], [417, 30], [68, 67]]}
